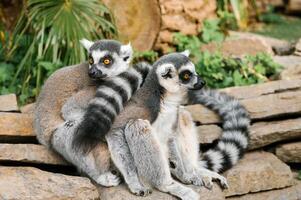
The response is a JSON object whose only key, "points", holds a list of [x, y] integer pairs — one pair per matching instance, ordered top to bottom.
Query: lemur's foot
{"points": [[69, 123], [208, 177], [108, 179], [140, 190], [191, 195]]}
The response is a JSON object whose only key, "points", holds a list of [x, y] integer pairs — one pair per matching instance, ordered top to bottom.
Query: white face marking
{"points": [[126, 51], [97, 55], [118, 66], [171, 84]]}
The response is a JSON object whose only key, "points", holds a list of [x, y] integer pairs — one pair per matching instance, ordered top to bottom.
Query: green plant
{"points": [[240, 9], [270, 17], [46, 37], [149, 56], [220, 72], [299, 175]]}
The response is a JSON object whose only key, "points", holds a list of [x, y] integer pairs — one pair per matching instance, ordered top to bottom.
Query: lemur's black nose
{"points": [[95, 73], [200, 84]]}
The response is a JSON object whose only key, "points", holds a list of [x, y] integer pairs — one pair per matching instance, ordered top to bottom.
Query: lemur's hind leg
{"points": [[184, 155], [123, 160], [151, 162], [95, 164]]}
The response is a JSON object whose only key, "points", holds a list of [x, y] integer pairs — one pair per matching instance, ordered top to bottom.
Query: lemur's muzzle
{"points": [[96, 73], [199, 84]]}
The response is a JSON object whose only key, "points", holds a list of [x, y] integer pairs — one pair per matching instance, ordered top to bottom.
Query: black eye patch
{"points": [[106, 61], [167, 75], [185, 76]]}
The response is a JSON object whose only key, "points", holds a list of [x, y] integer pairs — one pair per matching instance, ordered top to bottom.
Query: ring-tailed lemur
{"points": [[116, 82], [111, 94], [168, 135], [96, 163]]}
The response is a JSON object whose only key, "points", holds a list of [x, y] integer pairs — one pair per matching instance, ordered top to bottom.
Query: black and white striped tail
{"points": [[111, 95], [235, 120]]}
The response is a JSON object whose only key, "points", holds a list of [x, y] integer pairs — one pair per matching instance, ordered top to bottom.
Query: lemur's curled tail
{"points": [[110, 97], [235, 138]]}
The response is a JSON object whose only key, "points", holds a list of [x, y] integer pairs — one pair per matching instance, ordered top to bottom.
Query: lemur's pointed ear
{"points": [[86, 43], [126, 52], [185, 53]]}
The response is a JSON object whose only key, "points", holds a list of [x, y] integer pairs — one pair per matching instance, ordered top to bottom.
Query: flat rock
{"points": [[293, 6], [239, 47], [280, 47], [292, 66], [254, 91], [8, 102], [262, 107], [28, 109], [16, 125], [208, 133], [261, 133], [265, 133], [290, 152], [30, 153], [258, 171], [27, 183], [122, 193], [289, 193]]}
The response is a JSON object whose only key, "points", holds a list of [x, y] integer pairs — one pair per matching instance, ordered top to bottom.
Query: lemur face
{"points": [[107, 58], [176, 73]]}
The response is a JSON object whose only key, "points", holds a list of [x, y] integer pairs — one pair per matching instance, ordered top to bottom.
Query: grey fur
{"points": [[106, 45]]}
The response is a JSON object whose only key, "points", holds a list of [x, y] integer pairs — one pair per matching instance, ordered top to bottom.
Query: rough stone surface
{"points": [[294, 6], [185, 16], [239, 47], [280, 47], [298, 48], [291, 66], [253, 91], [250, 93], [8, 102], [262, 107], [28, 109], [16, 124], [208, 133], [261, 133], [265, 133], [290, 152], [30, 153], [258, 171], [27, 183], [122, 193], [289, 193]]}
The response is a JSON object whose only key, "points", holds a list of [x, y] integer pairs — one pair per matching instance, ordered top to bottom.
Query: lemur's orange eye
{"points": [[91, 61], [106, 61], [186, 76]]}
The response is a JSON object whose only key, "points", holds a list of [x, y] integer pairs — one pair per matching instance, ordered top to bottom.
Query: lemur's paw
{"points": [[143, 126], [208, 176], [108, 179], [141, 191], [190, 195]]}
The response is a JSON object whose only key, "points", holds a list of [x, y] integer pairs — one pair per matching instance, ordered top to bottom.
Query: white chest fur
{"points": [[164, 125]]}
